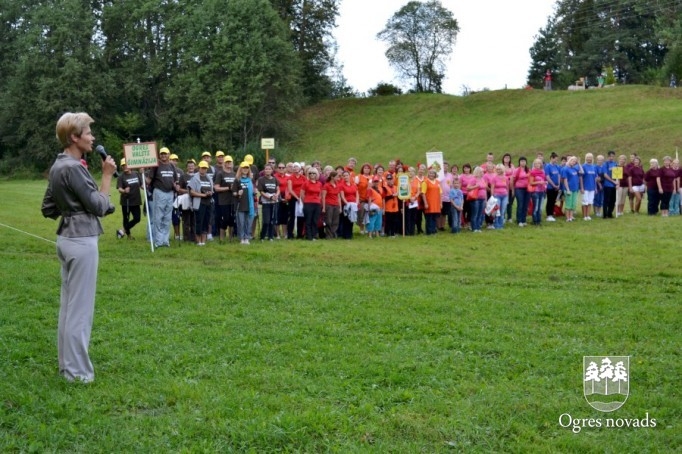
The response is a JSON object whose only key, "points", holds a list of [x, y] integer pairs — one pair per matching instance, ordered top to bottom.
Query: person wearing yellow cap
{"points": [[206, 156], [163, 182], [129, 184], [222, 186], [201, 190], [243, 190], [184, 202], [175, 218]]}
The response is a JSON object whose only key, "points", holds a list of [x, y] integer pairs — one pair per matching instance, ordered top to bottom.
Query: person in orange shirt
{"points": [[421, 177], [363, 181], [431, 195], [412, 202], [391, 207], [374, 208]]}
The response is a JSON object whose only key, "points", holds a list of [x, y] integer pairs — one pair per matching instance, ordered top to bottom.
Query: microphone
{"points": [[102, 152]]}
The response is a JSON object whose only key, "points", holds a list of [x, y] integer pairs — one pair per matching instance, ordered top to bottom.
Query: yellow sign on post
{"points": [[140, 155], [403, 186]]}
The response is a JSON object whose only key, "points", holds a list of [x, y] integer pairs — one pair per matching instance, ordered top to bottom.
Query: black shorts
{"points": [[225, 216]]}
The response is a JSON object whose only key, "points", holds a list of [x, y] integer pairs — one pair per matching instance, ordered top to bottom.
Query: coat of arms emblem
{"points": [[606, 381]]}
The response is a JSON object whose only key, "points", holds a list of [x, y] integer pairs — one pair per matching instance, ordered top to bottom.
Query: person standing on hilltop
{"points": [[548, 80]]}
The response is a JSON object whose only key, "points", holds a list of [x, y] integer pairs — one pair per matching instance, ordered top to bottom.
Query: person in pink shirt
{"points": [[508, 171], [488, 177], [464, 179], [519, 182], [537, 184], [499, 186]]}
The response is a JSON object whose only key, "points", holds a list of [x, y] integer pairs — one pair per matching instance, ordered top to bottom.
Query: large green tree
{"points": [[310, 24], [587, 36], [420, 38], [191, 74], [237, 76]]}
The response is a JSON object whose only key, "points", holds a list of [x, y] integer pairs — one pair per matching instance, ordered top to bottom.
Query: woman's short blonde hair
{"points": [[72, 124]]}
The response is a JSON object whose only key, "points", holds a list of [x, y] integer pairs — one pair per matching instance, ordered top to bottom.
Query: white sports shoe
{"points": [[550, 219]]}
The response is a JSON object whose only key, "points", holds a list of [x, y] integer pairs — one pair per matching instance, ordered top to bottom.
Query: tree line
{"points": [[625, 41], [193, 74]]}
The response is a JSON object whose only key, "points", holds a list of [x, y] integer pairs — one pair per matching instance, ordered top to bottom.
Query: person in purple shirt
{"points": [[651, 181], [636, 184], [666, 184]]}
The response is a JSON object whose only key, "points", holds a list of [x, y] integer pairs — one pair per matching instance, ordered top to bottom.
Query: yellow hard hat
{"points": [[248, 158]]}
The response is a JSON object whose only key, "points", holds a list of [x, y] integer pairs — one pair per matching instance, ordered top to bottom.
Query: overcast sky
{"points": [[491, 50]]}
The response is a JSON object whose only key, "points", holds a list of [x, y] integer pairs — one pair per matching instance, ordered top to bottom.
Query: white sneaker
{"points": [[550, 219], [521, 224], [209, 237]]}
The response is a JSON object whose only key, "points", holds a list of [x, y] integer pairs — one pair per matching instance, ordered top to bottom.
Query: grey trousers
{"points": [[79, 258]]}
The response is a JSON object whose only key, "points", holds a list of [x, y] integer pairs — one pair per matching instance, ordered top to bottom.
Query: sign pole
{"points": [[149, 219]]}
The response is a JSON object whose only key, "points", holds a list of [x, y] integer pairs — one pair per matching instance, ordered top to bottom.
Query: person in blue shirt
{"points": [[553, 174], [570, 181], [588, 185], [609, 185], [599, 191]]}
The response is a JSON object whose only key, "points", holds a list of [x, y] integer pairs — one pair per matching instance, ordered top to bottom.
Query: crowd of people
{"points": [[291, 200]]}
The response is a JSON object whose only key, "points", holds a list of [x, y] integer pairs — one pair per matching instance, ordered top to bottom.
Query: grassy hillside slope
{"points": [[627, 119]]}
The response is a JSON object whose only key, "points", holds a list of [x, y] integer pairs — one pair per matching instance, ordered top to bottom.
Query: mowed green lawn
{"points": [[451, 343]]}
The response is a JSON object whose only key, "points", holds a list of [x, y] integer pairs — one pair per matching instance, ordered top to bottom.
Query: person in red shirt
{"points": [[294, 185], [311, 194], [284, 197], [349, 202], [331, 204]]}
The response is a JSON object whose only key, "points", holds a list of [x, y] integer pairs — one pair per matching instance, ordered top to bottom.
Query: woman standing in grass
{"points": [[508, 172], [464, 179], [570, 179], [363, 181], [519, 182], [537, 182], [477, 183], [294, 184], [636, 184], [666, 184], [588, 185], [268, 187], [201, 190], [243, 190], [500, 190], [652, 190], [311, 193], [73, 194], [431, 196], [412, 203], [331, 204], [349, 204]]}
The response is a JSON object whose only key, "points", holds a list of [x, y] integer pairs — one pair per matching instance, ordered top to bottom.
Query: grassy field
{"points": [[626, 119], [451, 343]]}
